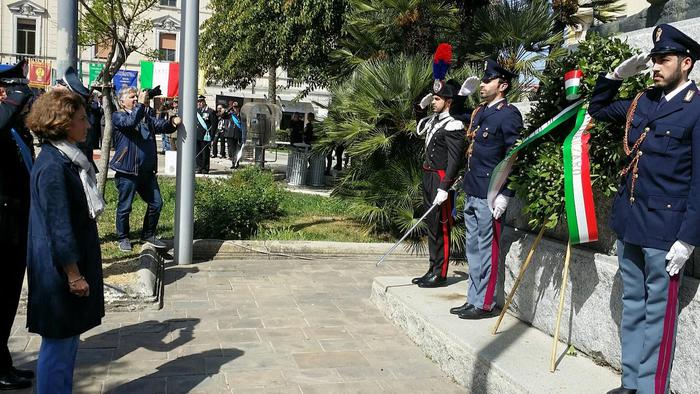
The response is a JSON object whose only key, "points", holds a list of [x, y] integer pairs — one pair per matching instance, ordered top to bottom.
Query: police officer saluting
{"points": [[493, 129], [444, 147], [16, 160], [656, 212]]}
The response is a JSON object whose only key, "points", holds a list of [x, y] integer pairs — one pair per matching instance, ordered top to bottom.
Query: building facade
{"points": [[28, 29]]}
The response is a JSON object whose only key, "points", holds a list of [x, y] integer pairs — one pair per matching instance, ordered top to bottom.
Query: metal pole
{"points": [[66, 42], [186, 136]]}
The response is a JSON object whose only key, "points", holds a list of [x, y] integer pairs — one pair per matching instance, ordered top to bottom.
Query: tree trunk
{"points": [[272, 85], [106, 139]]}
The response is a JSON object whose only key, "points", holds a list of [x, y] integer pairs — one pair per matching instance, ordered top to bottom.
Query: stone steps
{"points": [[516, 360]]}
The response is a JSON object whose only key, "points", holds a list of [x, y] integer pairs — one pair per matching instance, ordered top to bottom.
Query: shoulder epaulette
{"points": [[689, 95], [453, 125]]}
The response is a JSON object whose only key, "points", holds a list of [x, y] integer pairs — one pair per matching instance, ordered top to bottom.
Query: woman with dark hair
{"points": [[64, 262]]}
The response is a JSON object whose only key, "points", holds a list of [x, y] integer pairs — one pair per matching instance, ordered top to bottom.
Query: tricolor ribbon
{"points": [[572, 84], [500, 174], [580, 209]]}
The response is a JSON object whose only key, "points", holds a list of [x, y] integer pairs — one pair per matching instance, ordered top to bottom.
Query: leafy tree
{"points": [[122, 26], [244, 39], [538, 176]]}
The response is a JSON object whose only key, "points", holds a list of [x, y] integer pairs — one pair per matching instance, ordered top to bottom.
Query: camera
{"points": [[154, 92]]}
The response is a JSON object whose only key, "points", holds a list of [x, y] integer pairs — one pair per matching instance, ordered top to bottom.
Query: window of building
{"points": [[168, 3], [26, 36], [167, 43], [102, 50]]}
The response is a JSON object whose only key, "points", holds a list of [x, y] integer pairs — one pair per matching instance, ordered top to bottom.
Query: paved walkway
{"points": [[264, 326]]}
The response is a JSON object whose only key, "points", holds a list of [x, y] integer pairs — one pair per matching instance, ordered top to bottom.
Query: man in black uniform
{"points": [[205, 120], [444, 148], [16, 159]]}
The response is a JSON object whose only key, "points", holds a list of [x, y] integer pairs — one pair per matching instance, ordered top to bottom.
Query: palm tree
{"points": [[568, 12], [380, 29], [520, 34], [372, 115]]}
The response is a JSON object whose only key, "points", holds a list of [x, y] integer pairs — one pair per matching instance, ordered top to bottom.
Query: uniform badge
{"points": [[657, 34], [486, 66], [437, 85], [689, 96], [501, 105], [486, 134]]}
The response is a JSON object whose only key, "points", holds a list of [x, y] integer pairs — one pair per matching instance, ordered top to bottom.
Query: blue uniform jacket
{"points": [[497, 129], [132, 152], [666, 206], [61, 232]]}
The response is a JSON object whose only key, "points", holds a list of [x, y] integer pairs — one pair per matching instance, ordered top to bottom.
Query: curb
{"points": [[212, 249]]}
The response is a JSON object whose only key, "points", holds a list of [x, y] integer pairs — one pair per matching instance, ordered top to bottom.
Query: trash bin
{"points": [[296, 166], [316, 174]]}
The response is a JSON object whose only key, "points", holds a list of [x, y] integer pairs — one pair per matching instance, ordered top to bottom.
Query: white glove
{"points": [[630, 67], [469, 86], [425, 101], [440, 197], [500, 205], [680, 253]]}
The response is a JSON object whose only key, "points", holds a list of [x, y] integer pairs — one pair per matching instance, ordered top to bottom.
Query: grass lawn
{"points": [[304, 217], [315, 218]]}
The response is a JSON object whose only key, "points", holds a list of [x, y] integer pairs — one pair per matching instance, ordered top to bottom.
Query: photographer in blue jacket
{"points": [[135, 161]]}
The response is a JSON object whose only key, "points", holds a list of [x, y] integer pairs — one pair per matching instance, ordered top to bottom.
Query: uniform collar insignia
{"points": [[689, 96], [501, 104]]}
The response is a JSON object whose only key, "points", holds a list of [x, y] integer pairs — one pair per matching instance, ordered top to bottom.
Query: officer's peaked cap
{"points": [[667, 39], [494, 70], [16, 71], [74, 83]]}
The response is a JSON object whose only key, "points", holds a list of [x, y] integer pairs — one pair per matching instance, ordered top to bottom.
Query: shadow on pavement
{"points": [[183, 374]]}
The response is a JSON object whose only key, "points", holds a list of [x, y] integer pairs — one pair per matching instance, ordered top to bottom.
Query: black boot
{"points": [[419, 279], [433, 281], [459, 309], [476, 314], [10, 381], [622, 390]]}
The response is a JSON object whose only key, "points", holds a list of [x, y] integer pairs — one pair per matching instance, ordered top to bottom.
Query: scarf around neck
{"points": [[87, 176]]}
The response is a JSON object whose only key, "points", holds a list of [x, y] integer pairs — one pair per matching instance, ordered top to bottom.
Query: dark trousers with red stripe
{"points": [[439, 223], [483, 243], [649, 318]]}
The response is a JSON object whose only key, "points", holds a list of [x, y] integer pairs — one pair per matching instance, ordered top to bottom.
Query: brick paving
{"points": [[263, 326]]}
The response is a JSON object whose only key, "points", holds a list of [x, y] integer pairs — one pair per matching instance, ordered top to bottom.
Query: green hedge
{"points": [[234, 207]]}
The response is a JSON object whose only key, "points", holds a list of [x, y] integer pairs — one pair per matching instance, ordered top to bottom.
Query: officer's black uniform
{"points": [[203, 146], [444, 148], [14, 215]]}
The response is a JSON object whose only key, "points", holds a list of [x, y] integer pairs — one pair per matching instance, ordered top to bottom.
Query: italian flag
{"points": [[165, 74], [572, 83], [580, 209]]}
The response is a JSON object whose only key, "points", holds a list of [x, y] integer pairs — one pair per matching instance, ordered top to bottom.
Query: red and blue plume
{"points": [[441, 61]]}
